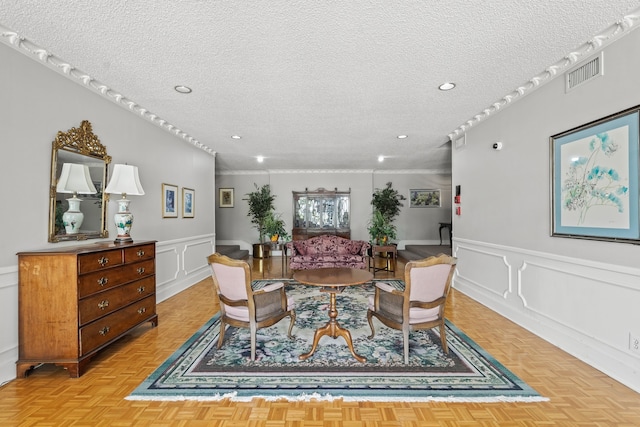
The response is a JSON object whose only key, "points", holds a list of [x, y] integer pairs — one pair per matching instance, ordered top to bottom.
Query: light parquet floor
{"points": [[579, 394]]}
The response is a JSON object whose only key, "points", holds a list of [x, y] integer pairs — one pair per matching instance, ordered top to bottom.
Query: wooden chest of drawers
{"points": [[75, 301]]}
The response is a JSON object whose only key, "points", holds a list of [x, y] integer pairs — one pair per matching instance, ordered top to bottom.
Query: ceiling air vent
{"points": [[584, 73]]}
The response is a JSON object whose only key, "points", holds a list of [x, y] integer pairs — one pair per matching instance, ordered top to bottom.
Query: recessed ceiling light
{"points": [[447, 86], [182, 89], [402, 136], [235, 137], [260, 159], [381, 159]]}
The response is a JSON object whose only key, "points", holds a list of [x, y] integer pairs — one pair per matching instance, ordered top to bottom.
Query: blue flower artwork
{"points": [[595, 179], [591, 182]]}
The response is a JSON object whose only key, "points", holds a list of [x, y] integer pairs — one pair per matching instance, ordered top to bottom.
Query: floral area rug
{"points": [[200, 371]]}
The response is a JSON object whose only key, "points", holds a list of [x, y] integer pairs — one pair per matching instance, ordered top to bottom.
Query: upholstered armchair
{"points": [[241, 305], [420, 305]]}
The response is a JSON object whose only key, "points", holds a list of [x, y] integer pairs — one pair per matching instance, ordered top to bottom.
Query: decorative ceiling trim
{"points": [[16, 41], [597, 43], [327, 171], [413, 172]]}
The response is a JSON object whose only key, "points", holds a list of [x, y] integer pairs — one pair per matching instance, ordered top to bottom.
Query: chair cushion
{"points": [[272, 286], [385, 286], [236, 312], [421, 315]]}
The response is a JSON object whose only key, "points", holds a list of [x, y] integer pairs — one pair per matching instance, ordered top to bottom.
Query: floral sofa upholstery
{"points": [[326, 252]]}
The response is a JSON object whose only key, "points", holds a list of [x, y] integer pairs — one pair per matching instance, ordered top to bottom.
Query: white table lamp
{"points": [[75, 179], [124, 181]]}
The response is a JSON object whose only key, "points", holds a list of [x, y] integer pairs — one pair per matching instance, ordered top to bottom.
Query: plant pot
{"points": [[260, 250]]}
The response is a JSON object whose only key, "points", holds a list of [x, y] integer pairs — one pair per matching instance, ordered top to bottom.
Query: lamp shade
{"points": [[75, 178], [125, 180]]}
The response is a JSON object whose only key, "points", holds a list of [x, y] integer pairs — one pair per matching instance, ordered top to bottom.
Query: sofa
{"points": [[327, 251]]}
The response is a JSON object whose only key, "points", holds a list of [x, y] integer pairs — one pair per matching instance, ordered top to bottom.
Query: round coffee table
{"points": [[333, 281]]}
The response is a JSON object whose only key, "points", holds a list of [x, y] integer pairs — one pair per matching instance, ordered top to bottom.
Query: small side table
{"points": [[446, 225], [277, 246], [392, 253], [285, 258]]}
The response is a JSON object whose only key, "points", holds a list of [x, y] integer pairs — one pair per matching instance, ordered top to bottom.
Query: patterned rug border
{"points": [[447, 394]]}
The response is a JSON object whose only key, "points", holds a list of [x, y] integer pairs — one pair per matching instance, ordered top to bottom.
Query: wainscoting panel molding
{"points": [[195, 256], [179, 265], [488, 270], [588, 309], [9, 322]]}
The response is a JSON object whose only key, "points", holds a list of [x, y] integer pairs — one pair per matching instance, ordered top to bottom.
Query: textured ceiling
{"points": [[315, 84]]}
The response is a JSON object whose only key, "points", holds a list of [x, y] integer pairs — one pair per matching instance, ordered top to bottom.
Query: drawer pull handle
{"points": [[140, 253], [103, 261], [140, 270], [102, 281], [141, 289], [103, 304], [142, 310], [104, 331]]}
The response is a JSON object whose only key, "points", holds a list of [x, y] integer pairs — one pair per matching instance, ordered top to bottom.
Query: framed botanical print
{"points": [[594, 182], [225, 198], [169, 201], [188, 202]]}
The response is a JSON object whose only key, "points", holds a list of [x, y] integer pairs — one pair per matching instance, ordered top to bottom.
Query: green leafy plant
{"points": [[386, 203], [260, 207], [59, 223], [274, 225], [380, 229]]}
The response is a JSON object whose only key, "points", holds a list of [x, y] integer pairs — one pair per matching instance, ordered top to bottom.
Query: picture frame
{"points": [[594, 179], [225, 197], [424, 199], [169, 201], [188, 202]]}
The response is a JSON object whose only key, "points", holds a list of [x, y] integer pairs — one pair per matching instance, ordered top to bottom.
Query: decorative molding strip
{"points": [[597, 43], [34, 51], [327, 171], [242, 172], [413, 172], [461, 247], [167, 254], [604, 268], [8, 277]]}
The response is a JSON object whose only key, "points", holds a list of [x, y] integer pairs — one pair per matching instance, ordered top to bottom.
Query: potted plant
{"points": [[388, 201], [260, 206], [386, 206], [274, 227], [380, 229]]}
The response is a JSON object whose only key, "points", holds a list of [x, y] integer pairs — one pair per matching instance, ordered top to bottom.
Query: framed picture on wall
{"points": [[594, 179], [225, 196], [424, 198], [169, 201], [188, 202]]}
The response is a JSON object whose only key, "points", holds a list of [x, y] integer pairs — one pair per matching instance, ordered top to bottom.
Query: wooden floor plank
{"points": [[579, 394]]}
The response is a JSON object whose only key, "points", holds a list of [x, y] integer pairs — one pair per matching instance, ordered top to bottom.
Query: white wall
{"points": [[36, 103], [415, 225], [581, 295]]}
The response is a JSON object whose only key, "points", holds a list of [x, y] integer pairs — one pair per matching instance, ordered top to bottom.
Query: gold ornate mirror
{"points": [[77, 202]]}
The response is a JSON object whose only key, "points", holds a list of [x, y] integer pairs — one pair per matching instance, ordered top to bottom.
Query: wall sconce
{"points": [[74, 179], [124, 181]]}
